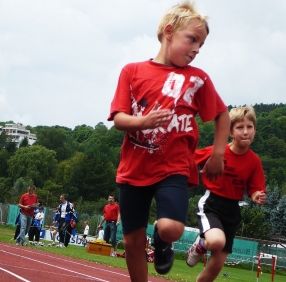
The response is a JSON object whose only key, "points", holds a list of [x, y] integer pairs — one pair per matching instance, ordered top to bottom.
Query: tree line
{"points": [[82, 162]]}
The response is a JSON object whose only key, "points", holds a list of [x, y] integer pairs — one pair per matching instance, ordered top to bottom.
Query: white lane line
{"points": [[74, 262], [62, 268], [35, 271], [15, 275]]}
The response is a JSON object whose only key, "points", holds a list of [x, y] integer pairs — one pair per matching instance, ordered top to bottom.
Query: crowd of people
{"points": [[156, 103], [64, 222]]}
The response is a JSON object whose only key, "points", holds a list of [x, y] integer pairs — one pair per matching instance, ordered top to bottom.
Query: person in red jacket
{"points": [[27, 203], [219, 210], [111, 216]]}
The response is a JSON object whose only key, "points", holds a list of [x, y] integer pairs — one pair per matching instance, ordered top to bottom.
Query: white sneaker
{"points": [[195, 253]]}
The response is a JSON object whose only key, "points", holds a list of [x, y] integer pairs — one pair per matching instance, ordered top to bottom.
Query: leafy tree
{"points": [[81, 133], [58, 139], [3, 140], [24, 143], [4, 156], [35, 162], [5, 190], [49, 194], [278, 218], [253, 222]]}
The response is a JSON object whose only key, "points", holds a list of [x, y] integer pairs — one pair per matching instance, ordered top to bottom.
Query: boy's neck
{"points": [[238, 150]]}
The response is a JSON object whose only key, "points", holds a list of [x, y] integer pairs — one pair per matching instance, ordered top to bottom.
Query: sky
{"points": [[60, 59]]}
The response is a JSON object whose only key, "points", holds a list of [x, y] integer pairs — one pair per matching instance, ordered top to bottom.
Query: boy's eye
{"points": [[192, 39]]}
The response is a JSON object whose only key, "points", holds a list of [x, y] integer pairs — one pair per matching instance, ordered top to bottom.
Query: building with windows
{"points": [[17, 133]]}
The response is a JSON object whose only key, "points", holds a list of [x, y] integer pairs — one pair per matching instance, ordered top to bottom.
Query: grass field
{"points": [[180, 271]]}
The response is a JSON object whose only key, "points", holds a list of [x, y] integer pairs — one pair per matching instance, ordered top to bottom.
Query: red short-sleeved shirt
{"points": [[148, 156], [242, 173], [26, 200], [111, 212]]}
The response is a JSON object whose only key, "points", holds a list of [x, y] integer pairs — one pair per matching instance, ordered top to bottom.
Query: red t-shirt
{"points": [[148, 156], [242, 173], [26, 200], [111, 211]]}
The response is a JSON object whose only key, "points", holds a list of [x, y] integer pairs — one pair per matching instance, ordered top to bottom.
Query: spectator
{"points": [[27, 203], [65, 216], [111, 216], [36, 226], [85, 233], [100, 235]]}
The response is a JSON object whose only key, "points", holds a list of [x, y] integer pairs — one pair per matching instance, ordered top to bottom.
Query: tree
{"points": [[81, 133], [58, 139], [24, 143], [4, 157], [34, 162], [278, 218], [253, 223]]}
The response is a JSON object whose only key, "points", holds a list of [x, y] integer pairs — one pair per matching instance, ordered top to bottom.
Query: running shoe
{"points": [[163, 254]]}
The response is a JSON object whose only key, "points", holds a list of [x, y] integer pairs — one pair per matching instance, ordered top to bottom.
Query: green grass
{"points": [[180, 272]]}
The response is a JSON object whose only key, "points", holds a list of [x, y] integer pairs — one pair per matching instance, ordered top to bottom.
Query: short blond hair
{"points": [[179, 16], [239, 113]]}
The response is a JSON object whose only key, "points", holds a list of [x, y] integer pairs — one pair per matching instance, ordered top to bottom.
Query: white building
{"points": [[17, 132]]}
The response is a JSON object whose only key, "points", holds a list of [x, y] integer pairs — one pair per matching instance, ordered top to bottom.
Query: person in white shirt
{"points": [[85, 233]]}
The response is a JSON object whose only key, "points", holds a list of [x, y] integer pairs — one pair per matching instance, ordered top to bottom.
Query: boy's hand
{"points": [[156, 118], [213, 167], [259, 197]]}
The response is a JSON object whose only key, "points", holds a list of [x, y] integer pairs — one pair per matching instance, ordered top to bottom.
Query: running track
{"points": [[25, 264]]}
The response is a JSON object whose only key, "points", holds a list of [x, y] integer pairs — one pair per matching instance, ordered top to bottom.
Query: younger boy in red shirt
{"points": [[218, 210]]}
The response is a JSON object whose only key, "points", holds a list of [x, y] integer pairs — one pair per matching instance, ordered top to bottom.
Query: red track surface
{"points": [[26, 264]]}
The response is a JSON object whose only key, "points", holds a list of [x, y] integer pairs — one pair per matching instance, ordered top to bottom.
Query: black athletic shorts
{"points": [[171, 196], [218, 212]]}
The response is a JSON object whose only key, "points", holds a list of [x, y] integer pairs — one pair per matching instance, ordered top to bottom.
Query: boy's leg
{"points": [[172, 196], [134, 205], [134, 243], [213, 267]]}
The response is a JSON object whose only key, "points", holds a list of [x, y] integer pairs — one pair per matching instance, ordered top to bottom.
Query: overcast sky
{"points": [[60, 59]]}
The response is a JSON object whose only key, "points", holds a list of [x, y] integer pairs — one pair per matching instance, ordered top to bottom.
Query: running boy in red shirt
{"points": [[155, 103], [218, 210]]}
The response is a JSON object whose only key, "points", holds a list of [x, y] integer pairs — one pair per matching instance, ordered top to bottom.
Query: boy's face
{"points": [[183, 45], [243, 133]]}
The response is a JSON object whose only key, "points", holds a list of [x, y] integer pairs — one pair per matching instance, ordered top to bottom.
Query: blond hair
{"points": [[179, 16], [239, 113]]}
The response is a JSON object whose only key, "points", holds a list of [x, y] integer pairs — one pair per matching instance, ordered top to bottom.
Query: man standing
{"points": [[27, 203], [64, 216], [111, 216]]}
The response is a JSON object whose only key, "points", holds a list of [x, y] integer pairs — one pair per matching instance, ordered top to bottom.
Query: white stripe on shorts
{"points": [[203, 218]]}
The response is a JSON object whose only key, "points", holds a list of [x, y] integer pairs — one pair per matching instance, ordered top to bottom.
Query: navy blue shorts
{"points": [[171, 196], [218, 212]]}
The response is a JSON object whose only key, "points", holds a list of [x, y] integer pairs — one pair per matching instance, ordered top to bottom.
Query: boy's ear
{"points": [[168, 31]]}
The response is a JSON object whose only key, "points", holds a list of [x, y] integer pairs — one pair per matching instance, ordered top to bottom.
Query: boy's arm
{"points": [[153, 119], [214, 165]]}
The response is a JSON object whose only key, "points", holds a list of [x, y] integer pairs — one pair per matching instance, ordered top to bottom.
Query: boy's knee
{"points": [[170, 232], [216, 244]]}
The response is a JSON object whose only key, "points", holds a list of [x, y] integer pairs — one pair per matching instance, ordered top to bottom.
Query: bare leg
{"points": [[214, 242], [135, 243], [213, 267]]}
